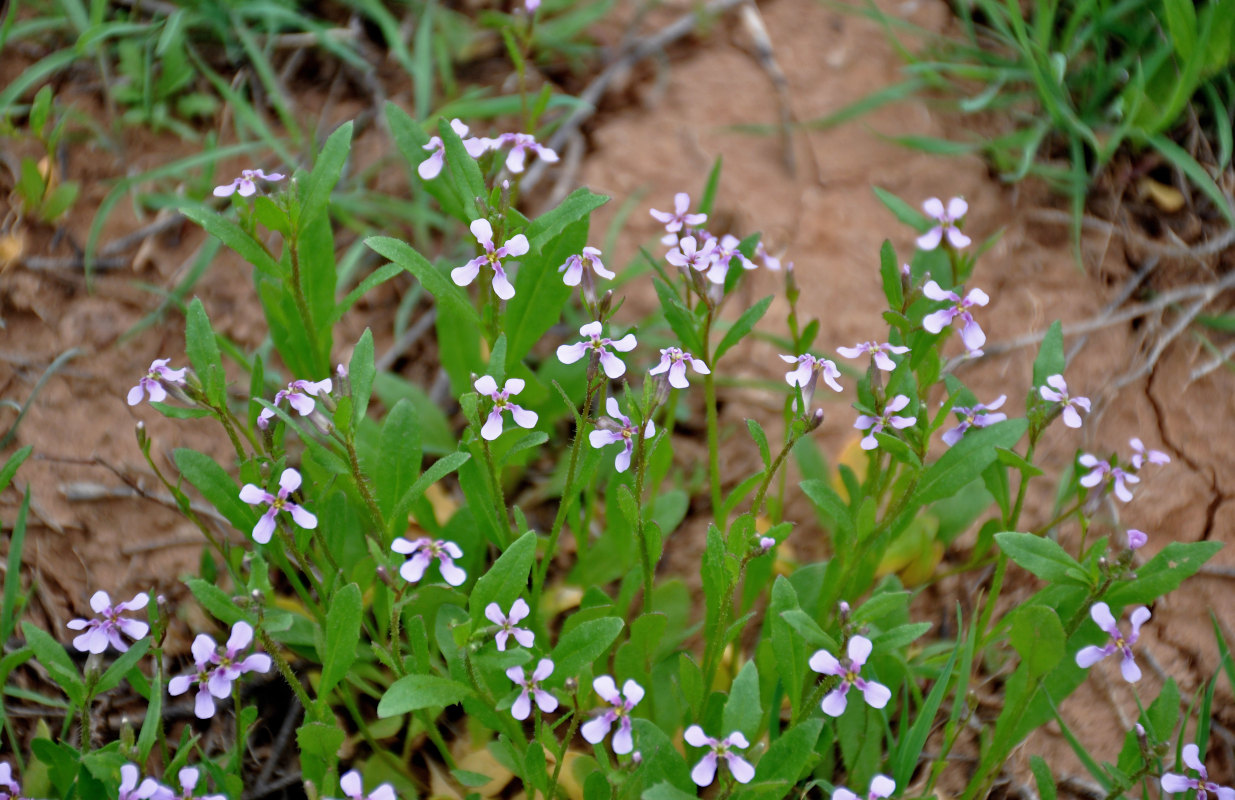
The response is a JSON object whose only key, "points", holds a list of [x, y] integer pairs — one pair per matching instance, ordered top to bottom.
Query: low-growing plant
{"points": [[40, 192], [490, 576]]}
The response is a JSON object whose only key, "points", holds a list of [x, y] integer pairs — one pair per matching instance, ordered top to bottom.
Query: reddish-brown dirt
{"points": [[825, 219]]}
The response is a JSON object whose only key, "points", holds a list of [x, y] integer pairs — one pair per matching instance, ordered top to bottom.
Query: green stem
{"points": [[302, 305], [709, 393], [1020, 491], [366, 493], [498, 493], [757, 506], [645, 555], [284, 668], [561, 758]]}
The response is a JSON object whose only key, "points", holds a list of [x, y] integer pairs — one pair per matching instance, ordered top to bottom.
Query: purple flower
{"points": [[529, 7], [521, 144], [431, 167], [245, 185], [947, 219], [674, 222], [516, 245], [725, 250], [688, 254], [769, 261], [577, 265], [971, 333], [878, 352], [673, 360], [613, 366], [808, 371], [152, 382], [1059, 394], [299, 395], [978, 416], [877, 424], [492, 428], [618, 430], [1141, 456], [1102, 471], [254, 495], [1137, 539], [766, 543], [422, 551], [507, 624], [106, 628], [203, 649], [1086, 657], [217, 668], [876, 694], [620, 706], [522, 707], [705, 771], [188, 782], [1174, 783], [8, 786], [352, 786], [881, 786], [150, 789]]}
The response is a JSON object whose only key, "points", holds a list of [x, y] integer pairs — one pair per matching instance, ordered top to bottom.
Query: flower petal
{"points": [[482, 230], [705, 771]]}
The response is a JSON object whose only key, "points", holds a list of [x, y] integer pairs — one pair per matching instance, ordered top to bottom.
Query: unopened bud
{"points": [[606, 301], [816, 419], [1136, 539], [766, 543], [383, 575], [844, 611], [572, 684]]}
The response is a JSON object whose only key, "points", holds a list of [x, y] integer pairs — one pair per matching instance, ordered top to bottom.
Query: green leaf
{"points": [[326, 170], [462, 171], [708, 199], [904, 212], [232, 235], [890, 273], [447, 295], [678, 317], [745, 323], [203, 352], [1050, 360], [360, 372], [761, 439], [399, 455], [966, 461], [11, 466], [440, 469], [216, 486], [830, 503], [1041, 556], [1163, 573], [12, 576], [507, 579], [218, 602], [342, 636], [1038, 636], [585, 643], [52, 656], [121, 666], [414, 692], [742, 710], [319, 749], [909, 749], [790, 756], [1043, 778]]}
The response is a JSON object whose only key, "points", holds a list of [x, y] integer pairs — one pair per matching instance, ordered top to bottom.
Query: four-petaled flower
{"points": [[520, 145], [431, 167], [245, 185], [679, 218], [947, 219], [516, 245], [725, 250], [690, 255], [769, 261], [577, 265], [936, 321], [878, 352], [674, 360], [613, 366], [808, 371], [152, 382], [1059, 394], [299, 395], [979, 416], [877, 424], [492, 428], [624, 434], [1141, 456], [1100, 471], [289, 482], [422, 552], [507, 623], [106, 628], [1086, 657], [217, 668], [530, 684], [876, 694], [621, 703], [705, 771], [1173, 782], [188, 783], [352, 786], [881, 786], [150, 789]]}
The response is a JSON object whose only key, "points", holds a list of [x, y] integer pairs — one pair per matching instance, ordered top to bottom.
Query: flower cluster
{"points": [[520, 144], [431, 167], [155, 381], [1103, 472], [254, 495], [106, 628], [216, 669]]}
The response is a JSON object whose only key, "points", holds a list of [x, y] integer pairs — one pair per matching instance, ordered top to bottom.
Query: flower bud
{"points": [[816, 419], [766, 543], [572, 684]]}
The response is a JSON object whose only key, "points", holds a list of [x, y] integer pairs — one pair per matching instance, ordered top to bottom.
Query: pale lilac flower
{"points": [[529, 7], [520, 145], [431, 167], [245, 185], [947, 219], [674, 222], [516, 245], [725, 250], [688, 254], [769, 261], [577, 265], [936, 321], [599, 345], [878, 352], [674, 360], [809, 369], [152, 382], [1059, 394], [299, 395], [979, 416], [888, 417], [492, 428], [618, 430], [1141, 456], [1101, 471], [289, 482], [1137, 539], [766, 543], [422, 551], [507, 623], [107, 626], [203, 649], [1086, 657], [229, 665], [876, 694], [621, 704], [522, 707], [705, 771], [188, 783], [1174, 783], [881, 786], [353, 787], [9, 788], [150, 789]]}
